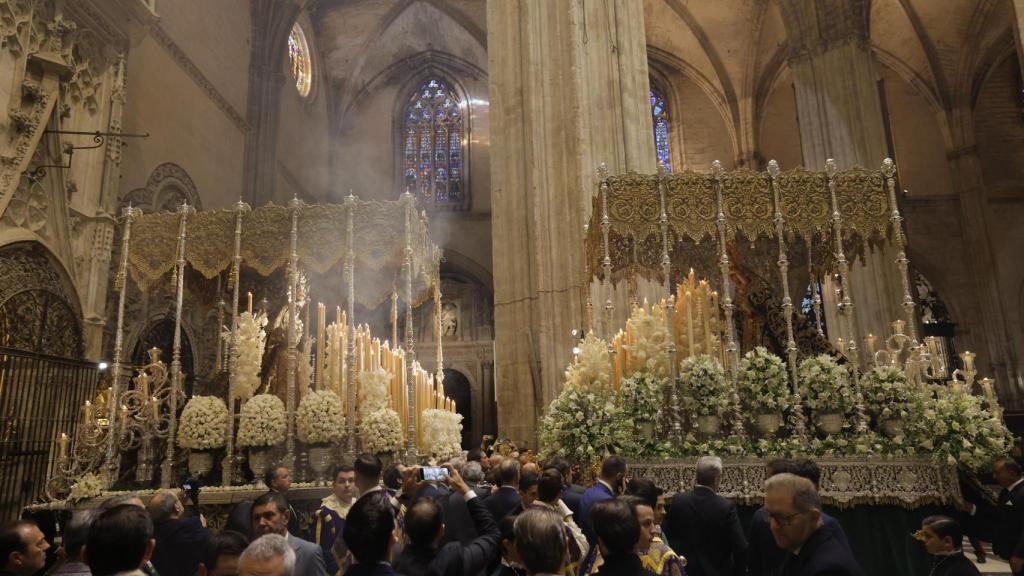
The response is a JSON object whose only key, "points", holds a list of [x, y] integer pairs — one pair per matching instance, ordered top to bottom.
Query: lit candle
{"points": [[248, 302], [688, 302], [897, 326], [870, 339], [842, 345], [933, 346], [968, 358], [986, 387], [156, 407], [87, 412], [124, 416], [62, 445]]}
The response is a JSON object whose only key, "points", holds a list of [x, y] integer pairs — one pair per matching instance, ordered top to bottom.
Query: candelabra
{"points": [[143, 420], [86, 454]]}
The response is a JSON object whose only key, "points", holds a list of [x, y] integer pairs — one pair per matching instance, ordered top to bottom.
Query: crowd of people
{"points": [[491, 515]]}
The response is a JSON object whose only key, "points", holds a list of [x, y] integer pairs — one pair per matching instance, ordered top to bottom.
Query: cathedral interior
{"points": [[496, 116]]}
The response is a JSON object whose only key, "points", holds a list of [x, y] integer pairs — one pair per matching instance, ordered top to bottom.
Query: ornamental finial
{"points": [[830, 167], [888, 167], [773, 169]]}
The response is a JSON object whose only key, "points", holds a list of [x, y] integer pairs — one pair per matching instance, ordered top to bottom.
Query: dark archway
{"points": [[160, 335], [456, 387]]}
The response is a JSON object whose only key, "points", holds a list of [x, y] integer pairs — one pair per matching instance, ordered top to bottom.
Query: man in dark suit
{"points": [[279, 479], [609, 485], [506, 497], [270, 515], [1007, 516], [425, 527], [704, 528], [618, 532], [370, 535], [943, 539], [180, 542], [813, 549], [763, 555]]}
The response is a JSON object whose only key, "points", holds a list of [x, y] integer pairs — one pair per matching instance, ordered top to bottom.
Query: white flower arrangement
{"points": [[252, 340], [647, 349], [591, 366], [763, 384], [825, 385], [373, 390], [705, 391], [886, 392], [640, 400], [319, 418], [262, 421], [203, 424], [581, 425], [381, 431], [959, 431], [442, 433], [88, 486]]}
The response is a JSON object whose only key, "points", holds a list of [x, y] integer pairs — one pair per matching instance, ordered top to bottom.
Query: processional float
{"points": [[643, 234], [382, 241]]}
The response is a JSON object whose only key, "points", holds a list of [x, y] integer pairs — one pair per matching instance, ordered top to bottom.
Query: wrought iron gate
{"points": [[40, 397]]}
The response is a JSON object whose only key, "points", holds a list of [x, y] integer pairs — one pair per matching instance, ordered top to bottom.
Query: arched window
{"points": [[298, 57], [659, 114], [432, 154]]}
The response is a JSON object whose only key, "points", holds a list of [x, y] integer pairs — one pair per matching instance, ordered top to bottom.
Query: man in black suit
{"points": [[609, 485], [506, 497], [1007, 516], [424, 526], [704, 528], [370, 534], [943, 539], [180, 542], [813, 549], [763, 555]]}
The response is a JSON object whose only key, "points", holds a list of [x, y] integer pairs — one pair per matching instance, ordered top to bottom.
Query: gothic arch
{"points": [[166, 188], [39, 309]]}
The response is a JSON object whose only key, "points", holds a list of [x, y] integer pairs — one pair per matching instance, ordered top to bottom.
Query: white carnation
{"points": [[320, 418], [262, 421], [203, 424], [381, 431], [442, 433]]}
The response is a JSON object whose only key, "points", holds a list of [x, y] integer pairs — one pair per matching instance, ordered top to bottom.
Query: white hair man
{"points": [[703, 527], [268, 555]]}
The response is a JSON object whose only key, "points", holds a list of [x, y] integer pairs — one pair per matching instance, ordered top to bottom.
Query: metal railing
{"points": [[40, 397]]}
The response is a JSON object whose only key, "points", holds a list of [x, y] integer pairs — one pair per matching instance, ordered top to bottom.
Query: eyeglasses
{"points": [[783, 519]]}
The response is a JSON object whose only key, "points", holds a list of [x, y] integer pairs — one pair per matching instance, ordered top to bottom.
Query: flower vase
{"points": [[830, 423], [767, 424], [709, 425], [891, 427], [260, 458], [320, 460], [200, 462]]}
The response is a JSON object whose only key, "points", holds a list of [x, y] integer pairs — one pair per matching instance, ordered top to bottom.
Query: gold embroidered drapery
{"points": [[632, 203], [380, 230]]}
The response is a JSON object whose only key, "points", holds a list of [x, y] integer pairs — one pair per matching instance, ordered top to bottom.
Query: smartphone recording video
{"points": [[433, 473]]}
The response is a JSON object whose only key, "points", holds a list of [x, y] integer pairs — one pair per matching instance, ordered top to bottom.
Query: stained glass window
{"points": [[298, 57], [659, 113], [432, 146]]}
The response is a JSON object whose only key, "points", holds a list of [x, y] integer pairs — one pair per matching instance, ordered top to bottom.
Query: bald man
{"points": [[180, 542]]}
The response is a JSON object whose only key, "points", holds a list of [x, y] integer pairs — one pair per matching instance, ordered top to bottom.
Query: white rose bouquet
{"points": [[252, 339], [649, 340], [591, 366], [763, 384], [825, 385], [705, 391], [886, 392], [319, 418], [262, 421], [203, 424], [581, 425], [381, 431], [442, 433], [964, 433], [88, 486]]}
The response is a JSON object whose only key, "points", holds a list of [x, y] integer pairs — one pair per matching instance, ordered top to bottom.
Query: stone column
{"points": [[1018, 31], [568, 88], [840, 117]]}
